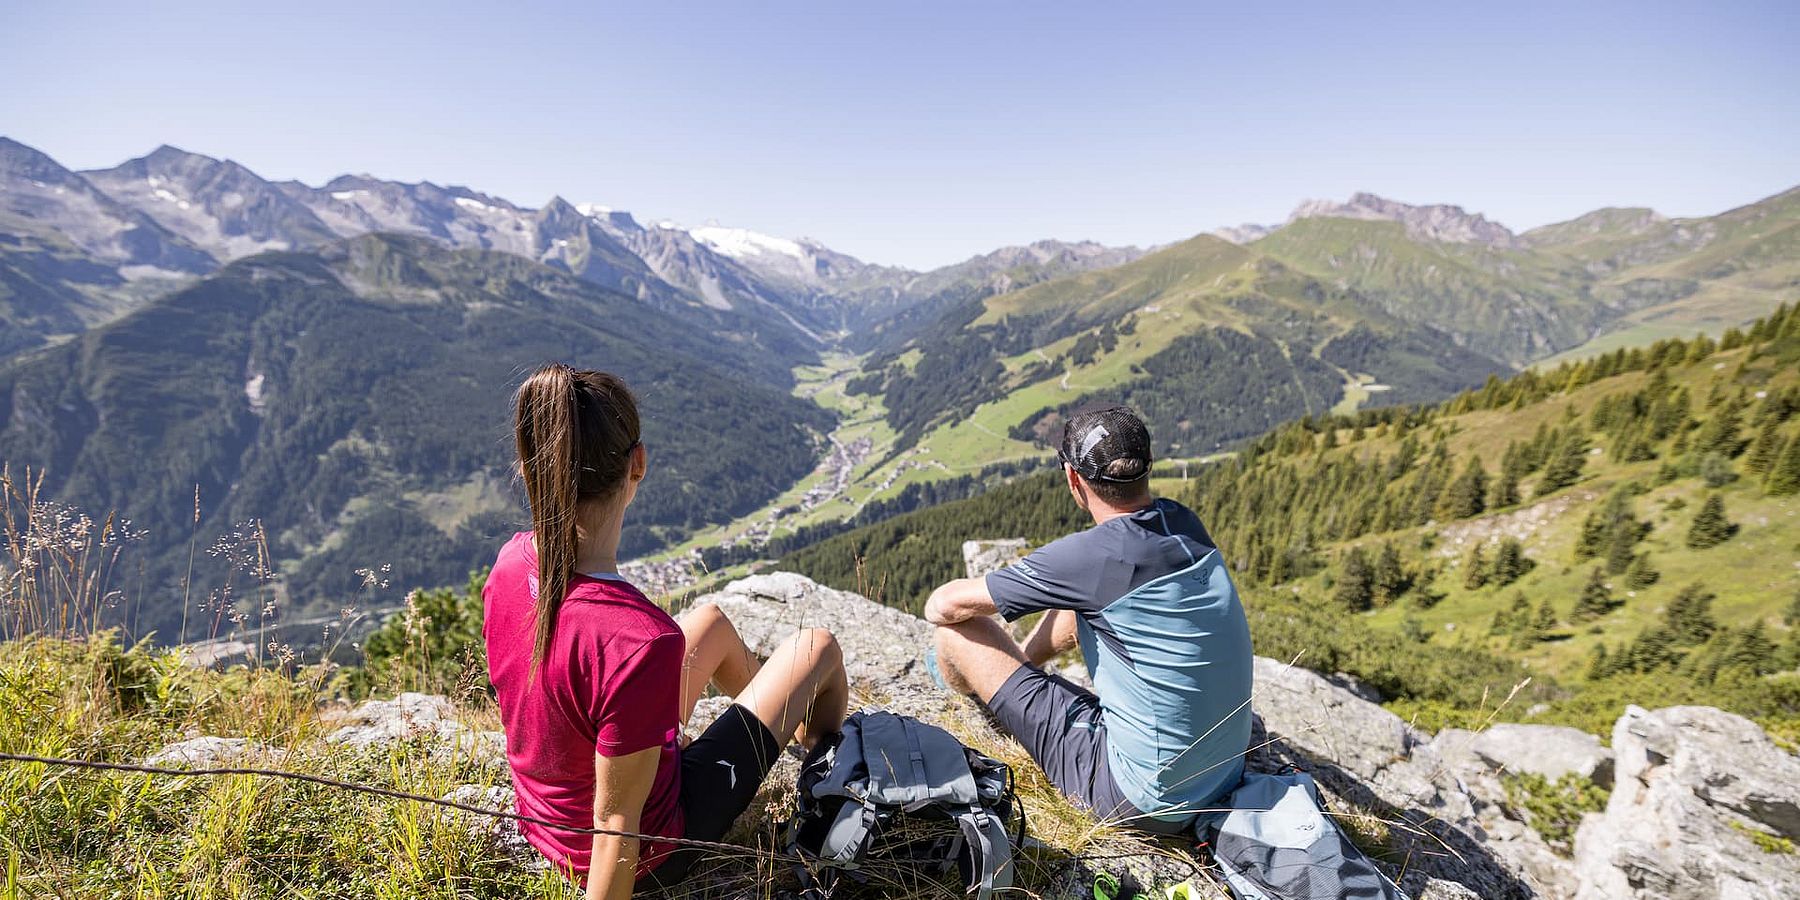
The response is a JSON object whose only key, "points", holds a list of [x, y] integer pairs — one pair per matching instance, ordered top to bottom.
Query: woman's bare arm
{"points": [[622, 784]]}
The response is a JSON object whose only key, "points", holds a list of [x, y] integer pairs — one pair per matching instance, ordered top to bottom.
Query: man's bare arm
{"points": [[959, 601], [1054, 634]]}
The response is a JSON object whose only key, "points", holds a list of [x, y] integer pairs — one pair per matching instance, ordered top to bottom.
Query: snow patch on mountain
{"points": [[741, 243]]}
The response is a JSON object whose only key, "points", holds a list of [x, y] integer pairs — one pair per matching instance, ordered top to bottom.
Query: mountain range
{"points": [[81, 247], [197, 347]]}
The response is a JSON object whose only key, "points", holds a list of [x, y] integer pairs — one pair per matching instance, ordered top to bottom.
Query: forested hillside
{"points": [[1236, 342], [316, 413], [1624, 529]]}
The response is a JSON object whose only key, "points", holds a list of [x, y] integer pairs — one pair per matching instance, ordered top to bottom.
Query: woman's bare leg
{"points": [[716, 655], [802, 690]]}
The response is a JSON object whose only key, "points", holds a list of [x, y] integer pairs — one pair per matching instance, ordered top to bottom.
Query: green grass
{"points": [[88, 834]]}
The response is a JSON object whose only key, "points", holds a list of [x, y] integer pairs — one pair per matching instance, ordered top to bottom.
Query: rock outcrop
{"points": [[982, 557], [411, 716], [210, 751], [1551, 751], [1704, 802], [1705, 805], [1450, 820]]}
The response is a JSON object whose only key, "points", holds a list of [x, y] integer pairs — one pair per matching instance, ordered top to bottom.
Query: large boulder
{"points": [[983, 557], [880, 643], [413, 716], [1548, 750], [1370, 760], [1701, 803]]}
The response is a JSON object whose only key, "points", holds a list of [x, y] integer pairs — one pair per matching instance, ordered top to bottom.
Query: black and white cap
{"points": [[1108, 445]]}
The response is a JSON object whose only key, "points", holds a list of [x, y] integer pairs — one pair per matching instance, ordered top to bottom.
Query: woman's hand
{"points": [[622, 784]]}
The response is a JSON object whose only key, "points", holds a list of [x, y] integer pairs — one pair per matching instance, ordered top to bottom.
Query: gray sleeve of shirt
{"points": [[1064, 574]]}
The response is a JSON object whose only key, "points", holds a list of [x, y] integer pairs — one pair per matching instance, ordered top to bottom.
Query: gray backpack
{"points": [[893, 789], [1277, 843]]}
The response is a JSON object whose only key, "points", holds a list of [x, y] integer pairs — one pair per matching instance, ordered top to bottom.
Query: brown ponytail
{"points": [[575, 432]]}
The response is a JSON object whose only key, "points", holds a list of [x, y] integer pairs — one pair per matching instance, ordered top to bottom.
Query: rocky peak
{"points": [[22, 161], [218, 205], [1438, 222], [1245, 233]]}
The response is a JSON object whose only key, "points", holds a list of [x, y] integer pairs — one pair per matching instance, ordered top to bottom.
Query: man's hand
{"points": [[959, 601]]}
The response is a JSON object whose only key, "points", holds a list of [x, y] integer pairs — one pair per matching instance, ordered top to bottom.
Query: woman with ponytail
{"points": [[595, 683]]}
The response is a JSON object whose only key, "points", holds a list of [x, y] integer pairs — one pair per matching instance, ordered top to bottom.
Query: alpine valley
{"points": [[320, 374]]}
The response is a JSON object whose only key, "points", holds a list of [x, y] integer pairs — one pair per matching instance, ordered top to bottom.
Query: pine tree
{"points": [[1720, 433], [1764, 451], [1565, 463], [1784, 478], [1505, 491], [1467, 495], [1595, 527], [1710, 527], [1621, 547], [1510, 563], [1475, 569], [1641, 574], [1390, 577], [1355, 589], [1596, 599], [1689, 616], [1519, 617], [1791, 618], [1546, 619], [1502, 623], [1653, 649], [1751, 651], [1598, 665]]}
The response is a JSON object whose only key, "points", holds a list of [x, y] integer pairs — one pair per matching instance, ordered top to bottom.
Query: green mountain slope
{"points": [[1699, 274], [1510, 304], [1216, 341], [354, 402], [1587, 490]]}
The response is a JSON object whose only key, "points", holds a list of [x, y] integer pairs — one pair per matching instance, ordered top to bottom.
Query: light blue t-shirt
{"points": [[1167, 645]]}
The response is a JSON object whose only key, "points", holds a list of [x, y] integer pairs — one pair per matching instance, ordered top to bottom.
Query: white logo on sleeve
{"points": [[732, 769]]}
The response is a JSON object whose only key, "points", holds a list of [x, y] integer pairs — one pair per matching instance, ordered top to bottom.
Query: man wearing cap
{"points": [[1145, 593]]}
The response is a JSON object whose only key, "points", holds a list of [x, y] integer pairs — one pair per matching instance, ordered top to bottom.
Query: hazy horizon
{"points": [[924, 136]]}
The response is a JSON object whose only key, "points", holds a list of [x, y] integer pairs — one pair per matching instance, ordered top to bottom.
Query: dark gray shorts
{"points": [[1061, 726]]}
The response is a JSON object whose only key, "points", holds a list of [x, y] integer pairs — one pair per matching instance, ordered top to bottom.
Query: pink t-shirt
{"points": [[610, 684]]}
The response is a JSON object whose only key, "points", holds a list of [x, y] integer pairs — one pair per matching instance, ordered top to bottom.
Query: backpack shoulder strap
{"points": [[848, 836], [990, 851]]}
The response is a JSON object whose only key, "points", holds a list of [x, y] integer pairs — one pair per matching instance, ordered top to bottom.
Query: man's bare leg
{"points": [[976, 656]]}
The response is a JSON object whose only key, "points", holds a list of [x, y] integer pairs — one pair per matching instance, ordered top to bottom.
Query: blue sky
{"points": [[923, 133]]}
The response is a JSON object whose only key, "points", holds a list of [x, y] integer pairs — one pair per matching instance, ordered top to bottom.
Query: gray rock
{"points": [[982, 557], [881, 644], [1362, 689], [407, 716], [1547, 750], [210, 752], [1370, 759], [1692, 786], [1504, 828], [502, 832], [1439, 889]]}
